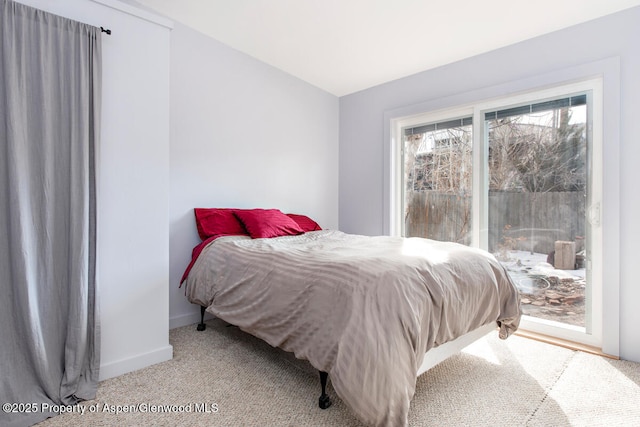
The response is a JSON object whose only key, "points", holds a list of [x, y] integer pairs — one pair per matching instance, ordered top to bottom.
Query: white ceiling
{"points": [[344, 46]]}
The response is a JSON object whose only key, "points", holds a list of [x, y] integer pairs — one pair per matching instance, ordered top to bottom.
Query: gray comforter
{"points": [[364, 309]]}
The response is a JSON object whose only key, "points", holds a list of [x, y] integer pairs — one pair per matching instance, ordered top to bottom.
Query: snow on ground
{"points": [[523, 265], [548, 293]]}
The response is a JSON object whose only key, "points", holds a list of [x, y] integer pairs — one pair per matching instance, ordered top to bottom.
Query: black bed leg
{"points": [[201, 325], [325, 401]]}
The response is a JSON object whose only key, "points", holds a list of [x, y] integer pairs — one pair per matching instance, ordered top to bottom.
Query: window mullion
{"points": [[478, 201]]}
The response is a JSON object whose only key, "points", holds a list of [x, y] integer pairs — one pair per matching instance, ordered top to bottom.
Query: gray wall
{"points": [[500, 72], [243, 134]]}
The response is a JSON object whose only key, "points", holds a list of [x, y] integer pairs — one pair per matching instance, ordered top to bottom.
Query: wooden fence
{"points": [[524, 221]]}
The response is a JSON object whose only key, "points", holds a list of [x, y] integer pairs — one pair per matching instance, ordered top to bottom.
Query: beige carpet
{"points": [[241, 381]]}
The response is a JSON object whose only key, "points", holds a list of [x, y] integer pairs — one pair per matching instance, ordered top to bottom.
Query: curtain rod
{"points": [[105, 30]]}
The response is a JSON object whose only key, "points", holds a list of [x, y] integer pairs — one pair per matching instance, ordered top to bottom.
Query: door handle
{"points": [[593, 214]]}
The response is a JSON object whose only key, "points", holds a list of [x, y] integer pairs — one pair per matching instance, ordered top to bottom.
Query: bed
{"points": [[371, 313]]}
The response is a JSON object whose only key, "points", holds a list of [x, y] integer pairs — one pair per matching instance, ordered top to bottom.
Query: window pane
{"points": [[437, 181], [537, 199]]}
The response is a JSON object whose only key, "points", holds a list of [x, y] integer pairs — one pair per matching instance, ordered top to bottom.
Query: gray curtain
{"points": [[50, 73]]}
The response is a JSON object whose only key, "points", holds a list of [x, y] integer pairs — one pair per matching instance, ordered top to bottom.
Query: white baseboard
{"points": [[187, 319], [130, 364]]}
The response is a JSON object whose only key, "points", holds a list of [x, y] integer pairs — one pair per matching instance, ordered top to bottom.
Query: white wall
{"points": [[572, 51], [188, 122], [243, 134], [133, 184]]}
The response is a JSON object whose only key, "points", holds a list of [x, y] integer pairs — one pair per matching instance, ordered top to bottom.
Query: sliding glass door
{"points": [[437, 162], [538, 175], [522, 178]]}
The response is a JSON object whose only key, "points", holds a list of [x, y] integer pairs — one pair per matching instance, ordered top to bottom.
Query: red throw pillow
{"points": [[216, 222], [262, 223], [306, 223]]}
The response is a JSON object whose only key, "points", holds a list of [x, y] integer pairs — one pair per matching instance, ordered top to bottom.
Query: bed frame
{"points": [[431, 357]]}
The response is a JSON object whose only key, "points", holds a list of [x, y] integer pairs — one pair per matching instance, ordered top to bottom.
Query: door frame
{"points": [[609, 70], [591, 334]]}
